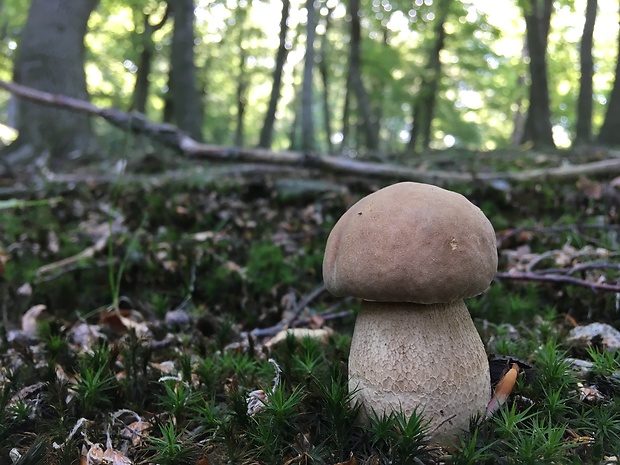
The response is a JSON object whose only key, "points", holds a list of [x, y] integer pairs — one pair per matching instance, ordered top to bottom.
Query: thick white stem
{"points": [[407, 356]]}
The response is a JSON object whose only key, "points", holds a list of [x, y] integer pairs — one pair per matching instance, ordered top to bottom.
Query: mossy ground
{"points": [[242, 256]]}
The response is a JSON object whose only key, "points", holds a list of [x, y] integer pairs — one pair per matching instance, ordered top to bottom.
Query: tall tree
{"points": [[147, 48], [51, 58], [325, 77], [355, 79], [242, 95], [186, 103], [424, 105], [538, 130], [610, 130], [266, 133], [583, 133], [308, 140]]}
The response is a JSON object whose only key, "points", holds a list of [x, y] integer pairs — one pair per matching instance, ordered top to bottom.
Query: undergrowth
{"points": [[203, 390]]}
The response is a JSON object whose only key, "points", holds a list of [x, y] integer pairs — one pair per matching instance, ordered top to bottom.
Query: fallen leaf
{"points": [[31, 319], [321, 335], [583, 335], [503, 389], [256, 401], [136, 431], [94, 456], [114, 457], [352, 460]]}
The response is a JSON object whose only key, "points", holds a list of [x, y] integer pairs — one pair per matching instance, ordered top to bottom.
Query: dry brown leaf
{"points": [[121, 321], [321, 335], [503, 389], [136, 432], [94, 456], [114, 457], [352, 460]]}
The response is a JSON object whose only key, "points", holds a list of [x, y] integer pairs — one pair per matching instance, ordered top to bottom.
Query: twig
{"points": [[576, 228], [69, 262], [578, 268], [553, 278], [330, 313], [286, 323]]}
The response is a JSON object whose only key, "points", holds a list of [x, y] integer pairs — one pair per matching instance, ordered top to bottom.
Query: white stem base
{"points": [[407, 356]]}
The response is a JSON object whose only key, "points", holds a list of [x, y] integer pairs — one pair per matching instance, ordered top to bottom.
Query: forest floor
{"points": [[144, 315]]}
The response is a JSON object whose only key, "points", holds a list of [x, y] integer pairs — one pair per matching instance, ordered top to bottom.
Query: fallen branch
{"points": [[171, 136], [504, 236], [67, 264], [552, 278], [288, 322]]}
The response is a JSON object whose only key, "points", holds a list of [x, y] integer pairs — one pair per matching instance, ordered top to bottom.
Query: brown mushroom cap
{"points": [[411, 242]]}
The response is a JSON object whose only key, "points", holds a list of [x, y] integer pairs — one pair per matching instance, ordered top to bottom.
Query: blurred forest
{"points": [[365, 78]]}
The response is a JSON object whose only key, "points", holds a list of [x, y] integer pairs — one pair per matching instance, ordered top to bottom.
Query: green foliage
{"points": [[606, 363], [93, 388], [400, 437], [171, 449]]}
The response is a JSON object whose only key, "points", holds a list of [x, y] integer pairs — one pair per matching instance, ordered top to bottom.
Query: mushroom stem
{"points": [[406, 356]]}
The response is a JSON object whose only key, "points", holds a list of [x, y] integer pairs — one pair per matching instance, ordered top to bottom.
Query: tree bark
{"points": [[51, 58], [323, 69], [357, 84], [141, 86], [242, 86], [307, 95], [186, 106], [424, 106], [346, 114], [538, 130], [610, 131], [583, 132], [266, 133]]}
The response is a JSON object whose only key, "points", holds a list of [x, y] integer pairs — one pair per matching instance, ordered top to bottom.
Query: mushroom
{"points": [[413, 252]]}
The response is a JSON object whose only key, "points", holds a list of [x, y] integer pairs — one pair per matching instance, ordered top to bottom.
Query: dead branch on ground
{"points": [[171, 136], [554, 278]]}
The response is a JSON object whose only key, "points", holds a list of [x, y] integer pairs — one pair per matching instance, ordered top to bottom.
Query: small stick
{"points": [[553, 278], [261, 332]]}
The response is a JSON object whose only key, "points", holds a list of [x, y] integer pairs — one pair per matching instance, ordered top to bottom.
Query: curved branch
{"points": [[173, 137], [563, 279]]}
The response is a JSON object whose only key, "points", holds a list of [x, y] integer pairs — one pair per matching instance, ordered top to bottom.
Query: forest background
{"points": [[385, 79]]}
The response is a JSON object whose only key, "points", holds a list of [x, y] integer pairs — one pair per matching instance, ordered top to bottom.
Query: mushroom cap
{"points": [[411, 242]]}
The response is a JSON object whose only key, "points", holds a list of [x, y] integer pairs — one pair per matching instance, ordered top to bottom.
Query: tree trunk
{"points": [[51, 58], [323, 69], [355, 74], [141, 86], [242, 86], [424, 106], [187, 111], [307, 113], [346, 114], [538, 130], [610, 131], [266, 133], [583, 133]]}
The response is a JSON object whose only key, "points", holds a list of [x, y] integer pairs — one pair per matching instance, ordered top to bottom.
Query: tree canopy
{"points": [[390, 78]]}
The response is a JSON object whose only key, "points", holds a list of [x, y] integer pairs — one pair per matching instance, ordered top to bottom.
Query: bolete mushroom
{"points": [[413, 252]]}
